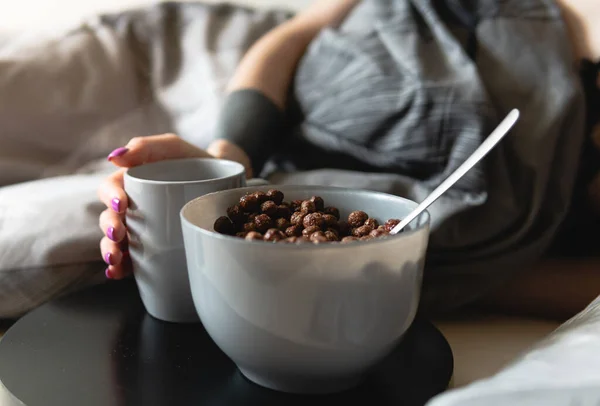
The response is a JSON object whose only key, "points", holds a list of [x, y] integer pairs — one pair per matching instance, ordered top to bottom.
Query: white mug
{"points": [[156, 193]]}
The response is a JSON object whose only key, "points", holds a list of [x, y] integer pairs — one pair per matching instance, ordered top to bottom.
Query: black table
{"points": [[100, 348]]}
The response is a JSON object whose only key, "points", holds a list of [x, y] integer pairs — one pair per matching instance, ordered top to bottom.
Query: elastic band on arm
{"points": [[254, 123]]}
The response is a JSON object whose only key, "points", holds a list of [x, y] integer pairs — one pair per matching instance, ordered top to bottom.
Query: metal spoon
{"points": [[492, 140]]}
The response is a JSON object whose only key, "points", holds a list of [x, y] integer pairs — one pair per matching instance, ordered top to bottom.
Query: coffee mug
{"points": [[156, 193]]}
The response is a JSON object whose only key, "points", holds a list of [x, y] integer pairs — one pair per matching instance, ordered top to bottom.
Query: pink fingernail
{"points": [[117, 152], [116, 205], [110, 233], [108, 258], [108, 274]]}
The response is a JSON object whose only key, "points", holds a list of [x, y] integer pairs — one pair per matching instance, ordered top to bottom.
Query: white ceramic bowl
{"points": [[305, 318]]}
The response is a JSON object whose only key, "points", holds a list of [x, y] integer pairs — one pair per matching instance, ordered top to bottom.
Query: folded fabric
{"points": [[410, 89], [74, 97], [49, 240], [561, 370]]}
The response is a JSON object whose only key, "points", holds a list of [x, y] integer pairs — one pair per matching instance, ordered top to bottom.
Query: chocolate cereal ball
{"points": [[275, 195], [261, 196], [249, 203], [319, 203], [295, 205], [308, 207], [269, 208], [283, 211], [332, 211], [236, 214], [297, 218], [357, 218], [313, 220], [330, 221], [263, 223], [372, 223], [282, 224], [390, 224], [223, 225], [250, 226], [344, 228], [293, 231], [334, 231], [361, 231], [307, 232], [377, 233], [273, 235], [254, 236], [331, 236], [318, 237], [297, 240], [347, 240]]}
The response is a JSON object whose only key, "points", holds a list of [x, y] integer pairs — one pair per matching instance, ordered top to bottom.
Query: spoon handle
{"points": [[486, 146]]}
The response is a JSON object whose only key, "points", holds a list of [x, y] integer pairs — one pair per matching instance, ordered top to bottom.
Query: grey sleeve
{"points": [[254, 123]]}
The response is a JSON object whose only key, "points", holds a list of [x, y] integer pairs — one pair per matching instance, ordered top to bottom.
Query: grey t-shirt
{"points": [[404, 91]]}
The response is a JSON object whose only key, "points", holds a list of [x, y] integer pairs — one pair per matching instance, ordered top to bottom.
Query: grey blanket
{"points": [[405, 91], [393, 100]]}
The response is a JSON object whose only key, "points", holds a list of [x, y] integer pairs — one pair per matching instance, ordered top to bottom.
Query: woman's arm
{"points": [[582, 18], [270, 64], [252, 120], [556, 289]]}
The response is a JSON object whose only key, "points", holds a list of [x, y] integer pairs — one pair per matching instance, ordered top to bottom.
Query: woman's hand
{"points": [[143, 150]]}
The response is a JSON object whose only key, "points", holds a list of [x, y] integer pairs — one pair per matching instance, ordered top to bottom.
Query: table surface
{"points": [[481, 344], [84, 349]]}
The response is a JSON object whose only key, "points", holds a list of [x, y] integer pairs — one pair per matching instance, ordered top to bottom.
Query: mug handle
{"points": [[255, 182]]}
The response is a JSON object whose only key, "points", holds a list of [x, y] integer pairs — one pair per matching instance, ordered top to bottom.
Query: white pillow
{"points": [[49, 240]]}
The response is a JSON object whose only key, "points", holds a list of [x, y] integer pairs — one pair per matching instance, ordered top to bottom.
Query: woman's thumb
{"points": [[143, 150]]}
